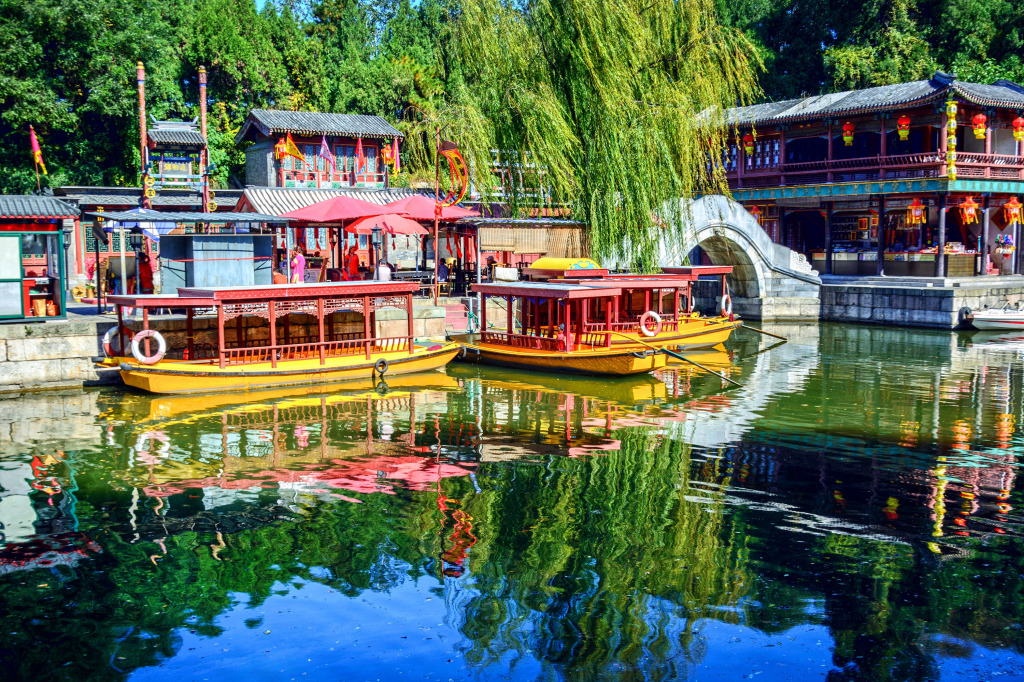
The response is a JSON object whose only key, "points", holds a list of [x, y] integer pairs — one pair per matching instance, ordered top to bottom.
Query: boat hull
{"points": [[1011, 320], [695, 333], [613, 362], [185, 377]]}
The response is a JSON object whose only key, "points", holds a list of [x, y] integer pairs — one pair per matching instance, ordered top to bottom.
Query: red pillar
{"points": [[408, 329]]}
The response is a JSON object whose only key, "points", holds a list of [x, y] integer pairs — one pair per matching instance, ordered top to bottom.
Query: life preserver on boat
{"points": [[725, 304], [646, 319], [108, 340], [161, 347], [462, 353], [381, 366]]}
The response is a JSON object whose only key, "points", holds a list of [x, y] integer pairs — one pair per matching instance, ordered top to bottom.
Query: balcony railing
{"points": [[902, 166], [325, 180]]}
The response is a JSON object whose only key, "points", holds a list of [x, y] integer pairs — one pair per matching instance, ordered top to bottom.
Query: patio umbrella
{"points": [[419, 207], [336, 210], [148, 222], [389, 223]]}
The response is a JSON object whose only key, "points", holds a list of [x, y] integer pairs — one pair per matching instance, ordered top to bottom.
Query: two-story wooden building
{"points": [[346, 135], [918, 179]]}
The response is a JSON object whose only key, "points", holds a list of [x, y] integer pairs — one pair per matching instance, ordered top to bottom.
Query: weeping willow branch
{"points": [[614, 109]]}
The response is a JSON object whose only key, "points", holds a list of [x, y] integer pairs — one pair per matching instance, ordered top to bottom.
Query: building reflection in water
{"points": [[588, 525]]}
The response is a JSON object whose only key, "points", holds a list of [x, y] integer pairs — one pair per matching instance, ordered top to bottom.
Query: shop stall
{"points": [[32, 257]]}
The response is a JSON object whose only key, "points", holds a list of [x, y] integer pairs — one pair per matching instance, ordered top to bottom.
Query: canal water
{"points": [[853, 512]]}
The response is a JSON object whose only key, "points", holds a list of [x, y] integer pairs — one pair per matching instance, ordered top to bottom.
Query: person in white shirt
{"points": [[383, 272]]}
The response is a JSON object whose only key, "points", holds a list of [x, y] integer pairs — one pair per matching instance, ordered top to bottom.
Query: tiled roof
{"points": [[1000, 93], [269, 121], [181, 136], [130, 196], [281, 200], [30, 206], [194, 217]]}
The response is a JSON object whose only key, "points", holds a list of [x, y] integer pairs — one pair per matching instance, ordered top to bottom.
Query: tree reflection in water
{"points": [[570, 527]]}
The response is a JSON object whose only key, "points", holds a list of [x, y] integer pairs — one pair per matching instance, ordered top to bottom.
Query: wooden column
{"points": [[988, 148], [882, 149], [782, 156], [741, 159], [828, 176], [828, 232], [881, 236], [940, 247], [983, 251], [509, 303], [483, 313], [272, 314], [608, 320], [583, 322], [120, 323], [552, 323], [145, 325], [366, 325], [409, 325], [568, 325], [320, 327], [220, 336], [190, 338]]}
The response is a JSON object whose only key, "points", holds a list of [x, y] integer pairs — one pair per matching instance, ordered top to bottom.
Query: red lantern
{"points": [[979, 126], [903, 127], [848, 129], [1018, 129], [748, 144], [387, 155], [1012, 209], [969, 211], [756, 212], [915, 212]]}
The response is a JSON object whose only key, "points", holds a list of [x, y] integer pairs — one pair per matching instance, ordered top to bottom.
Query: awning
{"points": [[419, 207], [335, 210], [152, 223], [389, 223]]}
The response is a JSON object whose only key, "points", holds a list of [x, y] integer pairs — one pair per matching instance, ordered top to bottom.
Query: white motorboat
{"points": [[997, 318]]}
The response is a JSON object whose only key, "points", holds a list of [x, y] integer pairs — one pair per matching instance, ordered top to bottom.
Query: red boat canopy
{"points": [[419, 207], [336, 210]]}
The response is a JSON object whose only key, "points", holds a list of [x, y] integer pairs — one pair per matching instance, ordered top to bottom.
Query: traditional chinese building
{"points": [[365, 149], [882, 180]]}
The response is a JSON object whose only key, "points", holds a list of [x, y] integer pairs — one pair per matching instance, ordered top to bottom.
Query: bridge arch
{"points": [[769, 280]]}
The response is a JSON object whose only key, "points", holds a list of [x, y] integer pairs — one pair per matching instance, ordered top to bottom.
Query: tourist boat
{"points": [[658, 310], [997, 318], [554, 334], [281, 336]]}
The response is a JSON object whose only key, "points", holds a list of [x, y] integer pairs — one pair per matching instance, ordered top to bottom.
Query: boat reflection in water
{"points": [[845, 513]]}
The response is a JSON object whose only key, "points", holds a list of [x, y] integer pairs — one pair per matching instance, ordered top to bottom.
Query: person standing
{"points": [[298, 265], [351, 265], [383, 272], [145, 274]]}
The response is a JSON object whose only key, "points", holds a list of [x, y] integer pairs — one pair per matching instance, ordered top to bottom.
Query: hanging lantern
{"points": [[951, 108], [979, 124], [903, 127], [848, 129], [1018, 129], [748, 144], [279, 149], [387, 154], [951, 172], [1012, 210], [969, 211], [756, 212], [916, 212]]}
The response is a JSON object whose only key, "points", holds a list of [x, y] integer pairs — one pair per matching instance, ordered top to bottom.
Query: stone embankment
{"points": [[61, 353]]}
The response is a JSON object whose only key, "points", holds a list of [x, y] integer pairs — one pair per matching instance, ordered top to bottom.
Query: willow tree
{"points": [[614, 109]]}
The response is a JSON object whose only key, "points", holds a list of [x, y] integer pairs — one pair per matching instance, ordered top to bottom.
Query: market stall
{"points": [[33, 278]]}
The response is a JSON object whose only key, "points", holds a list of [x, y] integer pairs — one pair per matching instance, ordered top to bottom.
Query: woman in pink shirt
{"points": [[298, 265]]}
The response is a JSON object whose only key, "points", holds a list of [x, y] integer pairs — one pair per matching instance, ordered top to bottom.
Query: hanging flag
{"points": [[289, 148], [325, 152], [37, 153], [360, 158], [398, 160]]}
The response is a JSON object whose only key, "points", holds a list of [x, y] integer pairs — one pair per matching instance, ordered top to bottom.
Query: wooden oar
{"points": [[761, 331], [666, 351]]}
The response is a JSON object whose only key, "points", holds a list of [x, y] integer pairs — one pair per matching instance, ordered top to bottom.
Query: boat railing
{"points": [[667, 325], [523, 341], [305, 351]]}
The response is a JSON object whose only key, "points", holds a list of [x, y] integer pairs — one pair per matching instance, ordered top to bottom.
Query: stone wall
{"points": [[935, 307], [60, 353]]}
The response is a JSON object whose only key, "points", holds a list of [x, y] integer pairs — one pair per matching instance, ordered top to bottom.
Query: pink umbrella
{"points": [[419, 207], [336, 210], [388, 222]]}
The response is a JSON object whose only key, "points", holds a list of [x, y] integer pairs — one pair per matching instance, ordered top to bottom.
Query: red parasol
{"points": [[419, 207], [336, 210], [389, 223]]}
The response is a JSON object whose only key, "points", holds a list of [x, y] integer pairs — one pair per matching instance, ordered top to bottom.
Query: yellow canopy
{"points": [[549, 263]]}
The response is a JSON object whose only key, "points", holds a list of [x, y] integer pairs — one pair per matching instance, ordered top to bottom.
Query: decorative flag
{"points": [[289, 148], [325, 152], [37, 153], [360, 158], [398, 160]]}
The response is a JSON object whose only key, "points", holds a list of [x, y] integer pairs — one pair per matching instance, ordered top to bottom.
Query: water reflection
{"points": [[851, 512]]}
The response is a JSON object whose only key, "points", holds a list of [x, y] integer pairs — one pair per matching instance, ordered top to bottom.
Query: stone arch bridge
{"points": [[769, 280]]}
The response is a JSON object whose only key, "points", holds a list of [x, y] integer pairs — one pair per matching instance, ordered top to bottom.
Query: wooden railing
{"points": [[919, 165], [325, 180], [668, 324], [523, 341], [262, 351]]}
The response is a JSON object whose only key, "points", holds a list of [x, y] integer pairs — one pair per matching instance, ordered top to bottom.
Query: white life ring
{"points": [[725, 305], [647, 317], [108, 340], [161, 347]]}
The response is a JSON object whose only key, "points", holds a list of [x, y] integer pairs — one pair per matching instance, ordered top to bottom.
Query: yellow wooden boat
{"points": [[314, 348], [492, 349]]}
